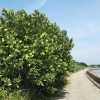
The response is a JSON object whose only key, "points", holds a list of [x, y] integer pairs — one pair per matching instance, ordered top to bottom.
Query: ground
{"points": [[80, 88]]}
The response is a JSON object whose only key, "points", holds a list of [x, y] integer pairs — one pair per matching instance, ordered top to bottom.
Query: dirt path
{"points": [[80, 88]]}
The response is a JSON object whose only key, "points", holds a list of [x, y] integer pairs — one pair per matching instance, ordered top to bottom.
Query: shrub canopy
{"points": [[34, 53]]}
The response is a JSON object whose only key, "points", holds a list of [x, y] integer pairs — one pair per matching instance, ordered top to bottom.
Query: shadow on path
{"points": [[61, 95]]}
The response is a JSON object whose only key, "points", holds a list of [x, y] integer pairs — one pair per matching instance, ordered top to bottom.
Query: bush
{"points": [[34, 53], [76, 66]]}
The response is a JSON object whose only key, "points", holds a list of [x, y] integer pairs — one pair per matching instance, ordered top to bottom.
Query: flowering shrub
{"points": [[34, 53]]}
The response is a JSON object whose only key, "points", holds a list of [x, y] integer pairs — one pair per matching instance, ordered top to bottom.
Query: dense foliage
{"points": [[34, 55], [84, 64], [76, 66]]}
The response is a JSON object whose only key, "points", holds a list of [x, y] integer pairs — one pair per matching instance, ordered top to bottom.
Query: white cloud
{"points": [[42, 3], [34, 5], [93, 27], [87, 30], [87, 44]]}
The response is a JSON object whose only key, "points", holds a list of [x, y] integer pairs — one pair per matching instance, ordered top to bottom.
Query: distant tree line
{"points": [[94, 65], [76, 66]]}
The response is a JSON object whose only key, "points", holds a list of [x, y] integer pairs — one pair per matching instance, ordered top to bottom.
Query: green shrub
{"points": [[34, 53], [76, 66]]}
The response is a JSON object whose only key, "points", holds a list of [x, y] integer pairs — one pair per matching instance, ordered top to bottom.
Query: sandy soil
{"points": [[80, 88]]}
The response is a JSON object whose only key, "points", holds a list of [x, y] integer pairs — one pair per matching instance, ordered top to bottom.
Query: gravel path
{"points": [[80, 88]]}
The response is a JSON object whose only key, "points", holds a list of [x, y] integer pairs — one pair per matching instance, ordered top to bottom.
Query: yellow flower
{"points": [[23, 14], [32, 16], [28, 24], [5, 30], [43, 34], [25, 37], [3, 40], [46, 40], [20, 41], [14, 42], [42, 42], [34, 44], [11, 46], [16, 50], [1, 51], [43, 53], [30, 54], [26, 57], [5, 59], [29, 65], [50, 67], [65, 68], [0, 75], [9, 84], [17, 86]]}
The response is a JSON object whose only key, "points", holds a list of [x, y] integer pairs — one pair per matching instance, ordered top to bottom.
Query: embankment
{"points": [[95, 78]]}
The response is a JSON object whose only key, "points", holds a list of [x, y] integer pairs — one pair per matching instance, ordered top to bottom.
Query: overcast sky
{"points": [[81, 19]]}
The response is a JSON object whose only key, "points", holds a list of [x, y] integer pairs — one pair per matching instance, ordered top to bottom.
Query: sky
{"points": [[81, 19]]}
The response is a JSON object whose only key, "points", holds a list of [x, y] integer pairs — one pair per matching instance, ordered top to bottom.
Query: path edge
{"points": [[91, 79]]}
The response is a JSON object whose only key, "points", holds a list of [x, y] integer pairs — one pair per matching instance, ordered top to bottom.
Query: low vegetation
{"points": [[94, 66]]}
